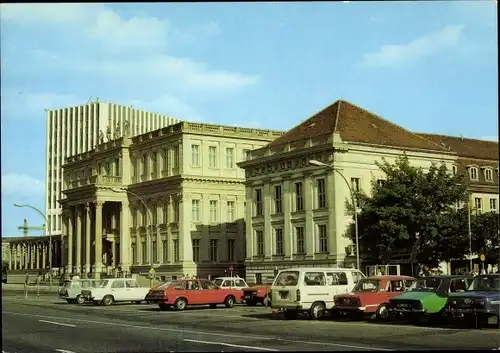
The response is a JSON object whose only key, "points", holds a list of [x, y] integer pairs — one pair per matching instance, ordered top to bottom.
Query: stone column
{"points": [[267, 191], [331, 204], [287, 224], [71, 228], [249, 229], [309, 229], [149, 230], [79, 233], [64, 234], [124, 237], [87, 238], [98, 239], [185, 243], [26, 256], [38, 256], [44, 256], [10, 257], [14, 257]]}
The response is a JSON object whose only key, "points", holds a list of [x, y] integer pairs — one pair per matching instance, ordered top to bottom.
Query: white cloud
{"points": [[426, 45], [22, 185]]}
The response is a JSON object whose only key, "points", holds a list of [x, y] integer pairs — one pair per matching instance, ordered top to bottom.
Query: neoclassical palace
{"points": [[201, 199], [296, 211]]}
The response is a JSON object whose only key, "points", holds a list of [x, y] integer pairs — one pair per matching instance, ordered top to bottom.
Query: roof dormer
{"points": [[473, 171], [488, 173]]}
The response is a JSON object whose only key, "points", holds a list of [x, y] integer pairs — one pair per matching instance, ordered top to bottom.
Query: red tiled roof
{"points": [[356, 124], [466, 147]]}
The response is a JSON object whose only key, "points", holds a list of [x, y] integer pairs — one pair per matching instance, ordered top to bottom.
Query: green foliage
{"points": [[412, 211], [485, 238], [5, 267]]}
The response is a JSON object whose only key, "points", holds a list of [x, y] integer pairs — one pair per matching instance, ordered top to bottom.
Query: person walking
{"points": [[38, 280], [26, 284]]}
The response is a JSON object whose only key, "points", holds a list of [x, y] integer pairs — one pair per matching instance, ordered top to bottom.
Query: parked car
{"points": [[234, 283], [311, 289], [71, 290], [112, 290], [184, 292], [258, 293], [371, 295], [427, 297], [481, 301]]}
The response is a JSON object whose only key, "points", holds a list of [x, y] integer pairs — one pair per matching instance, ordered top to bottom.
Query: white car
{"points": [[230, 282], [112, 290]]}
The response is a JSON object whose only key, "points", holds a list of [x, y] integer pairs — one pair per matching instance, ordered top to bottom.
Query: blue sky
{"points": [[429, 66]]}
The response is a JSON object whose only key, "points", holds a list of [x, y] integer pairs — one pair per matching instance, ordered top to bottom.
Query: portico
{"points": [[31, 253]]}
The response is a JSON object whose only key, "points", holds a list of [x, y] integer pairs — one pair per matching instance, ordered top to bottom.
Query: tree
{"points": [[412, 212], [485, 236], [5, 267]]}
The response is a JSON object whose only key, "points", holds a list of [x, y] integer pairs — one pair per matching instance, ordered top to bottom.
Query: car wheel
{"points": [[79, 299], [107, 300], [229, 301], [266, 302], [180, 304], [213, 306], [164, 307], [317, 310], [382, 312], [290, 314]]}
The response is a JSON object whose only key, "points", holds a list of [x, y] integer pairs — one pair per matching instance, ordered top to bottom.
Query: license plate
{"points": [[247, 296], [492, 320]]}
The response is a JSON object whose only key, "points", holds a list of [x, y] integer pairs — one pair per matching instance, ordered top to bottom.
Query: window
{"points": [[195, 155], [246, 155], [212, 157], [230, 158], [164, 159], [175, 159], [154, 162], [144, 164], [117, 168], [454, 169], [473, 173], [488, 174], [320, 186], [299, 198], [258, 202], [278, 205], [478, 205], [493, 205], [195, 210], [176, 211], [213, 211], [230, 211], [165, 213], [144, 215], [259, 236], [322, 238], [278, 239], [299, 240], [176, 250], [196, 250], [213, 250], [231, 250], [155, 251], [165, 251], [144, 252], [134, 253], [356, 276], [258, 278], [314, 279], [336, 279], [130, 283], [118, 284], [458, 285], [397, 286]]}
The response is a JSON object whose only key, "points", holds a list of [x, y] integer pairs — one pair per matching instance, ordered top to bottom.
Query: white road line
{"points": [[57, 323], [182, 331], [234, 345], [339, 345], [64, 351]]}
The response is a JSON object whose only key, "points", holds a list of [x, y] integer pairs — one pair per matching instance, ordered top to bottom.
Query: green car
{"points": [[427, 297]]}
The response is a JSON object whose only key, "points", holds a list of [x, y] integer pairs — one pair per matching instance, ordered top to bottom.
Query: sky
{"points": [[428, 66]]}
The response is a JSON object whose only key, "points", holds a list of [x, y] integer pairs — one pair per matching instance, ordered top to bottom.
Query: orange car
{"points": [[184, 292], [371, 295]]}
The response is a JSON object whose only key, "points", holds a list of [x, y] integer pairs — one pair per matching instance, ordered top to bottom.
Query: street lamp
{"points": [[321, 164], [148, 211], [44, 231], [470, 231]]}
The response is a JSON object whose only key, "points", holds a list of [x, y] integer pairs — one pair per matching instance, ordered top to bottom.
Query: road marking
{"points": [[57, 323], [183, 331], [234, 345], [339, 345], [64, 351]]}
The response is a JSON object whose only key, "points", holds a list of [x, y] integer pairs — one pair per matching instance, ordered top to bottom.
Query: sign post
{"points": [[482, 258], [231, 270], [151, 276]]}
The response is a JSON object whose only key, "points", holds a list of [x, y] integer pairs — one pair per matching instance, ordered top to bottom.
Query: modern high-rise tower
{"points": [[75, 130]]}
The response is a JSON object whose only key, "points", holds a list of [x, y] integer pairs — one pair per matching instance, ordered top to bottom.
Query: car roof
{"points": [[303, 269], [447, 276], [391, 277], [224, 278]]}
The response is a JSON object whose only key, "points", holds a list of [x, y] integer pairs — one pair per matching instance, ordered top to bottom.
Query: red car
{"points": [[183, 292], [371, 296]]}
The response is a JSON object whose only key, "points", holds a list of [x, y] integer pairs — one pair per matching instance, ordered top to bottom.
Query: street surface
{"points": [[47, 324]]}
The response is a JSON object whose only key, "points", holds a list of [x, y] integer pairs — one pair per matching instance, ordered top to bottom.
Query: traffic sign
{"points": [[482, 257], [152, 271]]}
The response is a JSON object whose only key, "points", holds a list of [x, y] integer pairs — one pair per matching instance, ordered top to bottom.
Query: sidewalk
{"points": [[44, 288]]}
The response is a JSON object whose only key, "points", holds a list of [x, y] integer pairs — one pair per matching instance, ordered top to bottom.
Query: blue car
{"points": [[479, 304]]}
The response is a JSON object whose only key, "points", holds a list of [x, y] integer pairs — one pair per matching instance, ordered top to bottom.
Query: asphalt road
{"points": [[47, 324]]}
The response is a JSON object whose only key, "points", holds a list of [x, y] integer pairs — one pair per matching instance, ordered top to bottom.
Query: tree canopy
{"points": [[413, 212], [485, 237]]}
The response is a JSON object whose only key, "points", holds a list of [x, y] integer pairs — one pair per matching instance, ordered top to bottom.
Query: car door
{"points": [[339, 282], [314, 283], [118, 290], [133, 291], [193, 292], [210, 292]]}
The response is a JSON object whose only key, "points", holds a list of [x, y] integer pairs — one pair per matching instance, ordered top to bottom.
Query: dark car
{"points": [[427, 297], [479, 304]]}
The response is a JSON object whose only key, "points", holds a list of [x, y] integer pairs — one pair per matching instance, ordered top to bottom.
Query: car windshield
{"points": [[287, 278], [218, 282], [103, 283], [486, 283], [67, 284], [430, 284], [163, 285], [367, 285]]}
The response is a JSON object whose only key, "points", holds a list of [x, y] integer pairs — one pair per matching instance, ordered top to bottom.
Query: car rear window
{"points": [[287, 278]]}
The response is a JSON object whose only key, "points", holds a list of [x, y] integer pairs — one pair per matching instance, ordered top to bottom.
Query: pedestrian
{"points": [[38, 280], [26, 284]]}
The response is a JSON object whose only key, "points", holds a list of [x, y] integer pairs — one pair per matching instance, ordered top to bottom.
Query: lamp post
{"points": [[321, 164], [148, 211], [44, 231], [470, 231]]}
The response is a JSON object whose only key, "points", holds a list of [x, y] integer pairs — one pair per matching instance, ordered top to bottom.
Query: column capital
{"points": [[99, 204], [87, 206]]}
